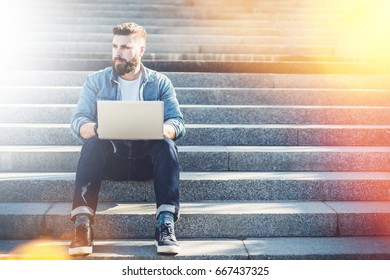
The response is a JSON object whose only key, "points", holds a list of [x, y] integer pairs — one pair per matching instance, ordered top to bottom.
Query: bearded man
{"points": [[126, 79]]}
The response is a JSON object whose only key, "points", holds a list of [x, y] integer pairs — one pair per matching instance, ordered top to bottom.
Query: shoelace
{"points": [[81, 232], [167, 232]]}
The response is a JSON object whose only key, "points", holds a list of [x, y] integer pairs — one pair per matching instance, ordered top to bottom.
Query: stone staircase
{"points": [[287, 152]]}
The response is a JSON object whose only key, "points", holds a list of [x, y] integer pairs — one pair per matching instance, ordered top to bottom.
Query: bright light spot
{"points": [[18, 20], [368, 22], [39, 250]]}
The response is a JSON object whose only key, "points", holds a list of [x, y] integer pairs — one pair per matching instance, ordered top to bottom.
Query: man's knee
{"points": [[92, 141], [166, 145], [94, 146], [164, 150]]}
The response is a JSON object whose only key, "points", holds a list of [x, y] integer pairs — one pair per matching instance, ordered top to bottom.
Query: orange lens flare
{"points": [[40, 249]]}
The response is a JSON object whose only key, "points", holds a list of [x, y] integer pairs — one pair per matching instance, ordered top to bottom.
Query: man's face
{"points": [[126, 53]]}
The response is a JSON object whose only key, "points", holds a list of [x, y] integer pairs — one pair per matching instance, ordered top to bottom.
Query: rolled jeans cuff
{"points": [[168, 208], [82, 210]]}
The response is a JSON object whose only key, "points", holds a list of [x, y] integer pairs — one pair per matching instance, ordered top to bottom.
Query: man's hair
{"points": [[130, 28]]}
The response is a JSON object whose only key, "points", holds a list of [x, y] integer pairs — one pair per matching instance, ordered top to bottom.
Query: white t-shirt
{"points": [[130, 89]]}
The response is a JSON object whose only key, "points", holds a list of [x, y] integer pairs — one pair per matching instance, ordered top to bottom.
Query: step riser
{"points": [[202, 3], [167, 8], [191, 13], [182, 14], [193, 19], [200, 27], [220, 30], [73, 37], [88, 47], [202, 58], [321, 58], [218, 66], [213, 80], [212, 96], [309, 97], [220, 115], [348, 136], [47, 161], [35, 190], [54, 223], [140, 226], [212, 226], [143, 227], [267, 248], [308, 248]]}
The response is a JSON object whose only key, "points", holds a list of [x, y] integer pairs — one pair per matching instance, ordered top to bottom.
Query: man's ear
{"points": [[142, 50]]}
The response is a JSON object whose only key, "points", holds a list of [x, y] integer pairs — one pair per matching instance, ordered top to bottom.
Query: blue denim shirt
{"points": [[104, 85]]}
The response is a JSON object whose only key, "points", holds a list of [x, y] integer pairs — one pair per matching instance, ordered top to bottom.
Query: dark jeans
{"points": [[127, 160]]}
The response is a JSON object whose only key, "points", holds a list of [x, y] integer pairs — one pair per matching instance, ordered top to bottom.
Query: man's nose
{"points": [[118, 53]]}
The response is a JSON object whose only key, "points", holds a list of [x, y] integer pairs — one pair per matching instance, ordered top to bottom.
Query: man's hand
{"points": [[87, 130], [169, 131]]}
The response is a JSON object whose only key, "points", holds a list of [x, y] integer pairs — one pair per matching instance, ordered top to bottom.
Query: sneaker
{"points": [[165, 239], [82, 241]]}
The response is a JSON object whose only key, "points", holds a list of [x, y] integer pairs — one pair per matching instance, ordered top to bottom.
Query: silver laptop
{"points": [[130, 120]]}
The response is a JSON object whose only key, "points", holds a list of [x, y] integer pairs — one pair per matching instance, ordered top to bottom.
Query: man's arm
{"points": [[84, 118], [174, 122]]}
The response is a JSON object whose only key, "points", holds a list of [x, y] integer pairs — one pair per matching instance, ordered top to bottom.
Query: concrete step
{"points": [[156, 2], [203, 3], [254, 7], [168, 8], [179, 12], [198, 18], [252, 22], [297, 27], [268, 35], [104, 37], [194, 47], [103, 57], [280, 67], [213, 80], [215, 96], [220, 114], [220, 135], [215, 158], [202, 186], [216, 219], [281, 248]]}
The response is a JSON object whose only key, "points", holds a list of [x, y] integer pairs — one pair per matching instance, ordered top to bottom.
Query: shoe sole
{"points": [[167, 249], [80, 251]]}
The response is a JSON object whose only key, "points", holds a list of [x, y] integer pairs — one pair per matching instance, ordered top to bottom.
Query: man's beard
{"points": [[127, 67]]}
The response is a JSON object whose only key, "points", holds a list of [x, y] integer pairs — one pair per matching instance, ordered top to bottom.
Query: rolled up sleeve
{"points": [[86, 108], [172, 113]]}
